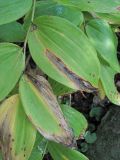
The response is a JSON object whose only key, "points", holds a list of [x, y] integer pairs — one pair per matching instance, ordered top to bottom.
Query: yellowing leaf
{"points": [[64, 53], [12, 62], [43, 110], [17, 135]]}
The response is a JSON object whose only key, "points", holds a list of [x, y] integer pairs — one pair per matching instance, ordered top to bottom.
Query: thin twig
{"points": [[33, 11], [27, 60]]}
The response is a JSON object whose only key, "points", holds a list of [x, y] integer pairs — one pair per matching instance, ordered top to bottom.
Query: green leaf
{"points": [[102, 6], [55, 9], [13, 10], [113, 18], [12, 32], [104, 40], [62, 51], [12, 63], [107, 78], [59, 89], [43, 110], [96, 112], [76, 120], [17, 133], [90, 137], [84, 147], [39, 149], [60, 152], [1, 156]]}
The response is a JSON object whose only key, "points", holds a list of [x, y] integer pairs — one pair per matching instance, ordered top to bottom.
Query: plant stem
{"points": [[33, 10], [32, 18]]}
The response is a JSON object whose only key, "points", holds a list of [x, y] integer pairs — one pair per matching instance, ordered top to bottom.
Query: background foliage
{"points": [[74, 47]]}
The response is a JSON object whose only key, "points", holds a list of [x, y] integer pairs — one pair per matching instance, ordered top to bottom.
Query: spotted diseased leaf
{"points": [[62, 51], [12, 63], [43, 110], [17, 135]]}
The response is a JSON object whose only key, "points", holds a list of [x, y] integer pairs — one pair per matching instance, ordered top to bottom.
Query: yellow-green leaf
{"points": [[64, 53], [12, 62], [43, 110], [17, 134]]}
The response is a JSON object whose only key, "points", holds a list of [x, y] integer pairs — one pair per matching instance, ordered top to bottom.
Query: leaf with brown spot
{"points": [[64, 53], [43, 110], [17, 135]]}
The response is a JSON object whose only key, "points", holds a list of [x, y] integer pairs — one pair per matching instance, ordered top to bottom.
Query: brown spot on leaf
{"points": [[118, 8], [33, 27], [80, 83], [46, 92], [60, 125], [9, 135], [13, 139]]}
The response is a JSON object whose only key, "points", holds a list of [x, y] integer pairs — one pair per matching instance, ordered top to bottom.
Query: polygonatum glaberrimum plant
{"points": [[49, 48]]}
